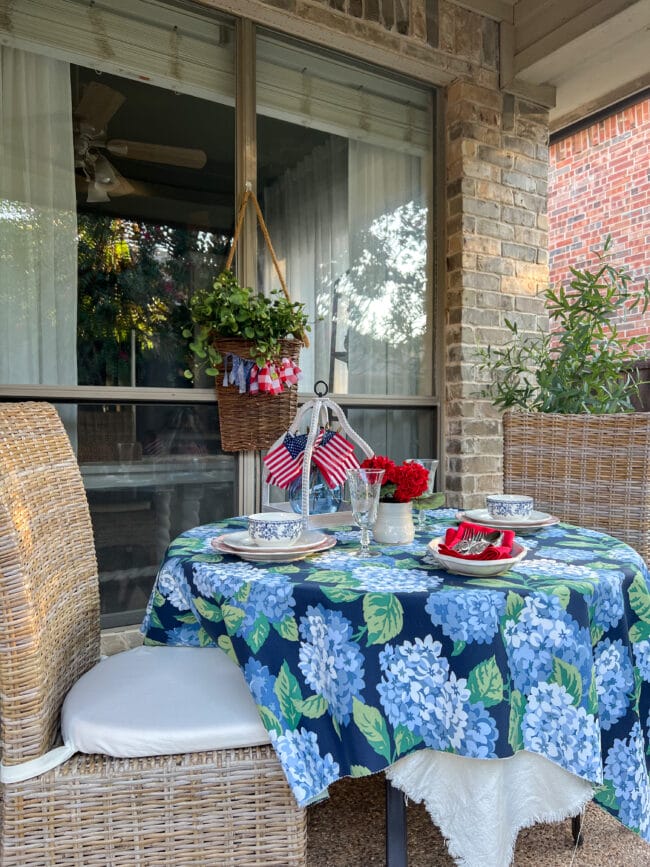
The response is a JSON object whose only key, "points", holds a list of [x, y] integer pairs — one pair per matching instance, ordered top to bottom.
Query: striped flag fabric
{"points": [[333, 456], [284, 462]]}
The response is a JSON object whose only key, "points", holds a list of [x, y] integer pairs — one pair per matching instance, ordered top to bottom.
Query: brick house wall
{"points": [[494, 165], [599, 184]]}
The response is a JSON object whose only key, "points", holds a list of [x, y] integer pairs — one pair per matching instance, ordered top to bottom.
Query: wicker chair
{"points": [[590, 470], [222, 807]]}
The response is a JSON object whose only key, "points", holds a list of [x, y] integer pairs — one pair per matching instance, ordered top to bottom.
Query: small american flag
{"points": [[333, 457], [284, 462]]}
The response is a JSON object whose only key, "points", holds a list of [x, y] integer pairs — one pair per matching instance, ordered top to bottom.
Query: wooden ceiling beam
{"points": [[498, 10], [544, 26]]}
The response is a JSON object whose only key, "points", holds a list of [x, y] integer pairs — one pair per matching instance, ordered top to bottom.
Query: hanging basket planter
{"points": [[251, 344], [253, 421]]}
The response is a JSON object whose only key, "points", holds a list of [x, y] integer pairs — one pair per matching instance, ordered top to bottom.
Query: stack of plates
{"points": [[535, 521], [241, 545]]}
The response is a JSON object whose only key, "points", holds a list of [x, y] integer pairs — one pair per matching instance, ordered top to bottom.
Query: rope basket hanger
{"points": [[248, 422]]}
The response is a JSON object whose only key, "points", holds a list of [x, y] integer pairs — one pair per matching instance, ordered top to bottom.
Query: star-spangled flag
{"points": [[333, 457], [284, 462]]}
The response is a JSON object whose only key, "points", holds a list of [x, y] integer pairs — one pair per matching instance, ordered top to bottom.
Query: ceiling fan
{"points": [[91, 117]]}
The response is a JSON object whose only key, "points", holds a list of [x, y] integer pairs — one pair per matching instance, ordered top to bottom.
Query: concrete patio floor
{"points": [[348, 831]]}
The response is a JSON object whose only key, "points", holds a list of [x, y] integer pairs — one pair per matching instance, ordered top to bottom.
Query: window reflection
{"points": [[150, 472]]}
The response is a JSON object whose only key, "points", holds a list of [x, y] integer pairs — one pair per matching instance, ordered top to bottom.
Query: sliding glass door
{"points": [[120, 167]]}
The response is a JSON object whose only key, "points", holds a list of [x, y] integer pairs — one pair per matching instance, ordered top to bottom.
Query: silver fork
{"points": [[475, 541], [463, 546]]}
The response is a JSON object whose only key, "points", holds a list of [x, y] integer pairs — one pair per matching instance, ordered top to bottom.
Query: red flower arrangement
{"points": [[401, 483]]}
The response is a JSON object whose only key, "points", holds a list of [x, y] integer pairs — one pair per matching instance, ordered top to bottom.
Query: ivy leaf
{"points": [[340, 594], [158, 599], [640, 599], [514, 605], [208, 610], [384, 615], [188, 617], [233, 617], [154, 619], [287, 628], [640, 631], [596, 633], [258, 634], [205, 639], [225, 643], [569, 677], [485, 683], [288, 692], [592, 698], [314, 706], [517, 710], [269, 719], [372, 726], [405, 739], [607, 796]]}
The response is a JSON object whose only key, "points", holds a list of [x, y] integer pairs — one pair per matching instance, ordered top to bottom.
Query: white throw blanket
{"points": [[480, 805]]}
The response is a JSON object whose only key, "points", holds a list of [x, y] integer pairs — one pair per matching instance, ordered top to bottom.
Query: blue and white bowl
{"points": [[509, 506], [274, 529]]}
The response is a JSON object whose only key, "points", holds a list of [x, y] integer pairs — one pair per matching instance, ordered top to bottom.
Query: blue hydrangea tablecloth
{"points": [[355, 663]]}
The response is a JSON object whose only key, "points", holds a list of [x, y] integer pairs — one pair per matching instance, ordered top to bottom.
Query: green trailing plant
{"points": [[231, 310], [584, 364]]}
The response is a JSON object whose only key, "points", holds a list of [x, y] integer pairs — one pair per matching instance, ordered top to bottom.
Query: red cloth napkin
{"points": [[492, 552]]}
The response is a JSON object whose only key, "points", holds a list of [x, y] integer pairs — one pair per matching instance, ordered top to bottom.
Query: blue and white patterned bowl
{"points": [[509, 505], [274, 529]]}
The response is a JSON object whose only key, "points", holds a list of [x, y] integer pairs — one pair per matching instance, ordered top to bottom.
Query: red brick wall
{"points": [[599, 184]]}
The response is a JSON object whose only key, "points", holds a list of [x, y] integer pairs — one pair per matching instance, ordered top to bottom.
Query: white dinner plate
{"points": [[535, 521], [241, 541], [266, 555], [475, 568]]}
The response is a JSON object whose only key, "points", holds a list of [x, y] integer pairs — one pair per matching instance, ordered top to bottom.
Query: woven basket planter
{"points": [[253, 421], [590, 470]]}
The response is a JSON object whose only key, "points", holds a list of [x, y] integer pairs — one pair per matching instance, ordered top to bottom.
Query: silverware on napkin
{"points": [[475, 542]]}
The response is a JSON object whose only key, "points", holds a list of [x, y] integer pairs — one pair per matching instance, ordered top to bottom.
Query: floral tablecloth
{"points": [[356, 663]]}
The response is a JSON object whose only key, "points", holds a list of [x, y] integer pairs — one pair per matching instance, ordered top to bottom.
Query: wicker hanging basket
{"points": [[254, 421]]}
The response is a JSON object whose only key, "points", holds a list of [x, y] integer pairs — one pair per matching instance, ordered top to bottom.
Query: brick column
{"points": [[497, 264]]}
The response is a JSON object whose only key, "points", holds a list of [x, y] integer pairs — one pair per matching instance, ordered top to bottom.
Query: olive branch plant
{"points": [[584, 365]]}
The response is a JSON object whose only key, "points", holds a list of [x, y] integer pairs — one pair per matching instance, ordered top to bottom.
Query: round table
{"points": [[355, 664]]}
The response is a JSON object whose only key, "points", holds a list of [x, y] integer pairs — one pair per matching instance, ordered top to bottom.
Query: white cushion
{"points": [[154, 701]]}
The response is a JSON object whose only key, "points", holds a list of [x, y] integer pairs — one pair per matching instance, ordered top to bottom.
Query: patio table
{"points": [[357, 665]]}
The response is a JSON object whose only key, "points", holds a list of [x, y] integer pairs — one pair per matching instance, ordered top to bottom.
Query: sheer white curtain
{"points": [[306, 213], [349, 223], [38, 225], [387, 277], [386, 287]]}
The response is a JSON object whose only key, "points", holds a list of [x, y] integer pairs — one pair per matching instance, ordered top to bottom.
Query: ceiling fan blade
{"points": [[98, 104], [189, 158], [108, 179], [96, 193]]}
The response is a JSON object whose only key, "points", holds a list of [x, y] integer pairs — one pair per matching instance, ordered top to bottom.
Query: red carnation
{"points": [[379, 462], [412, 481]]}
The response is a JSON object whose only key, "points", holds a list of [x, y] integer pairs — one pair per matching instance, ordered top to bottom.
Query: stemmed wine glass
{"points": [[431, 466], [364, 486]]}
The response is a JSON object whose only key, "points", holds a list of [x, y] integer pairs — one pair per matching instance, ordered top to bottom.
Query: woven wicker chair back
{"points": [[590, 470], [49, 598]]}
